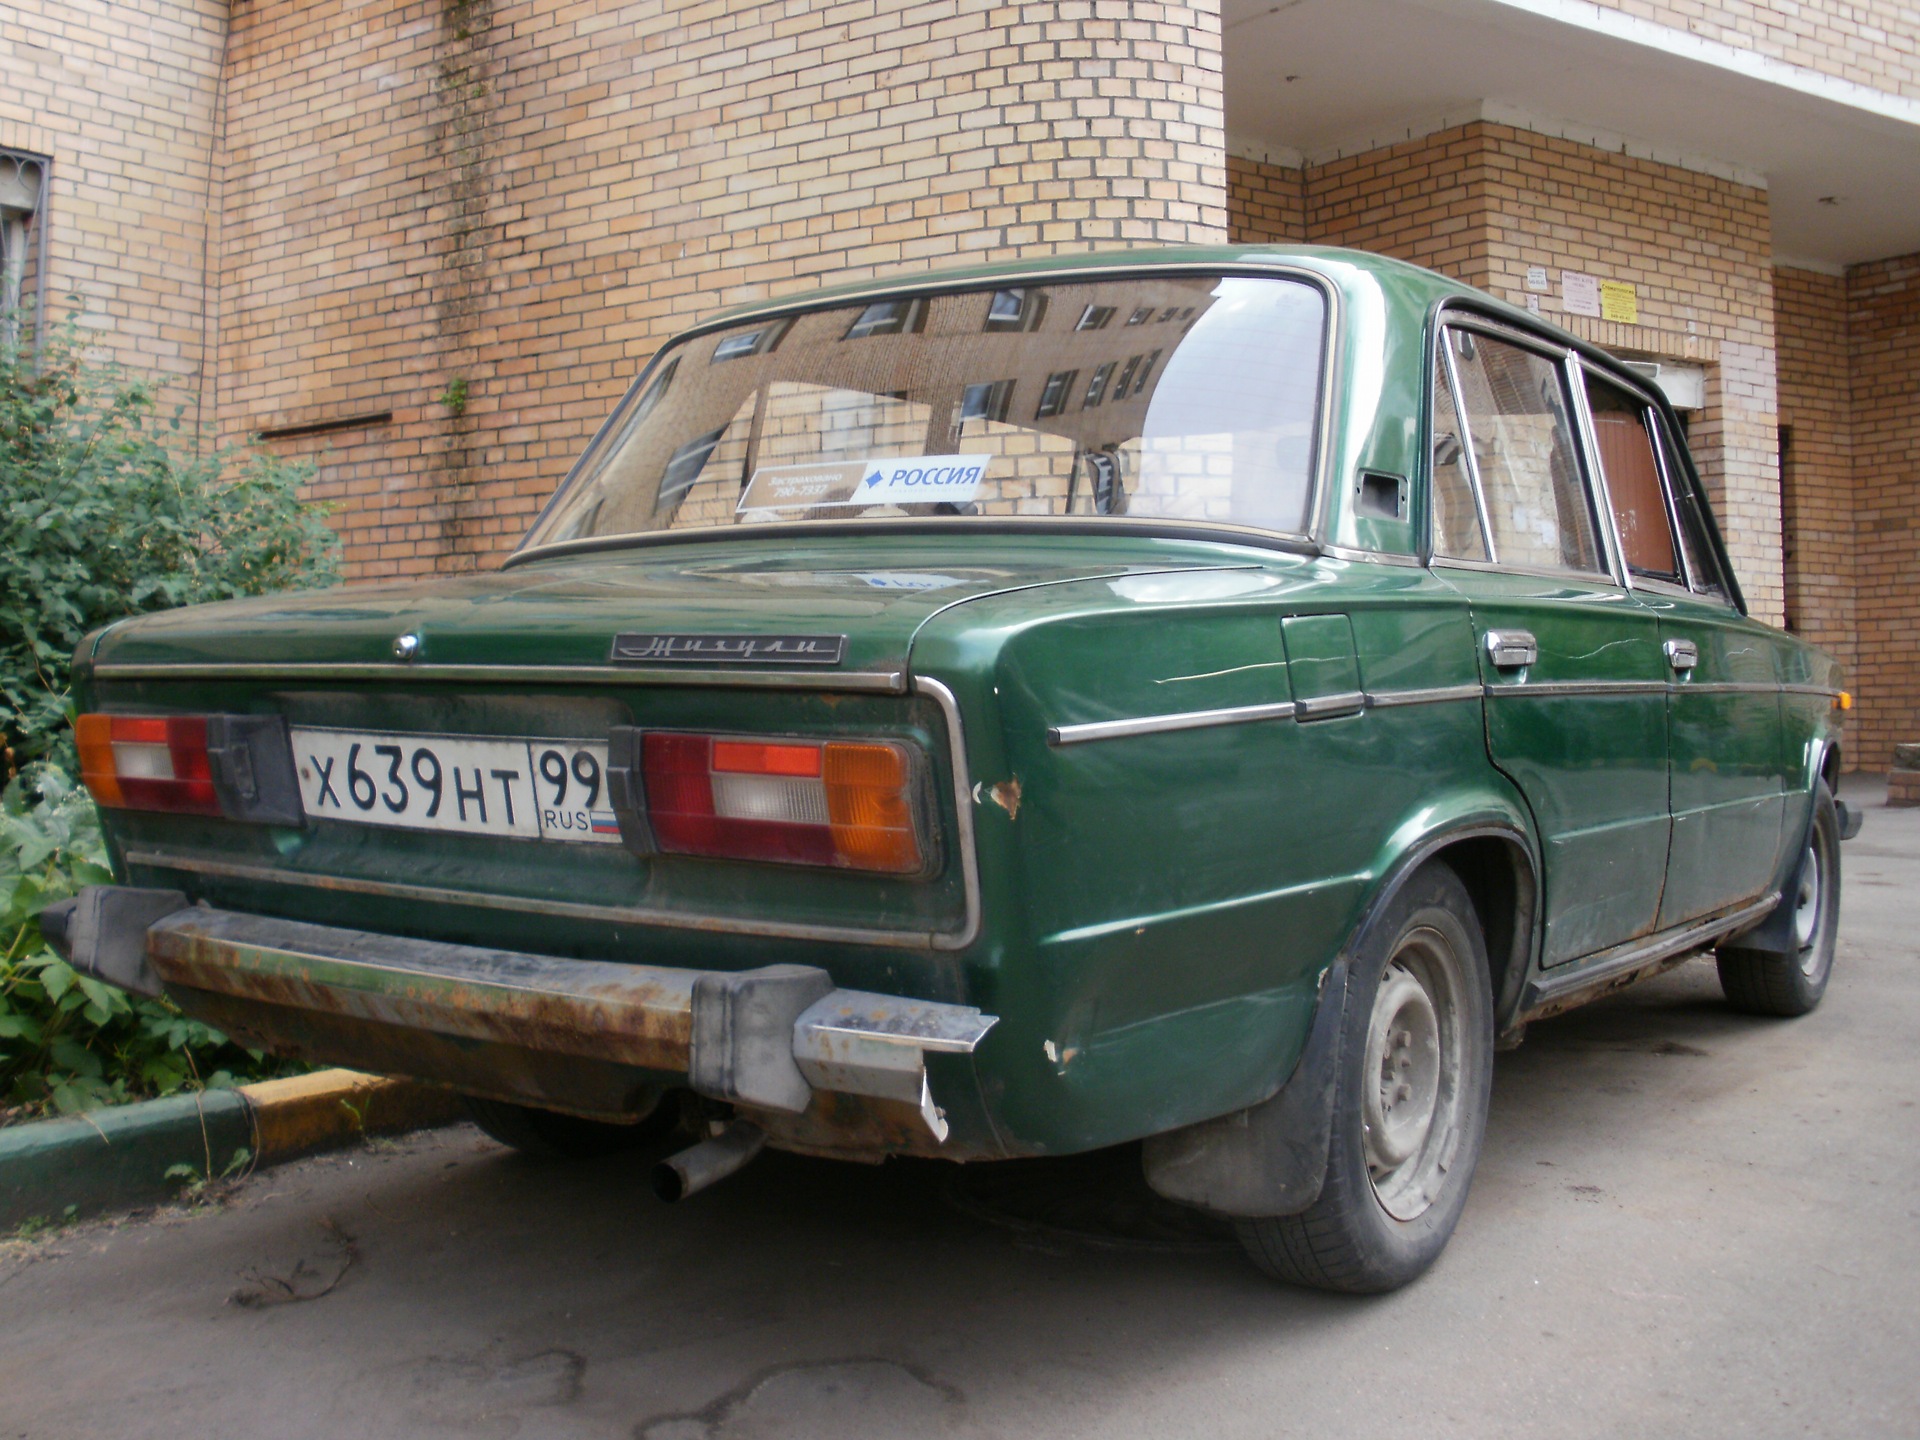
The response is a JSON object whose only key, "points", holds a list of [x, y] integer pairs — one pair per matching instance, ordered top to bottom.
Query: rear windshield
{"points": [[1175, 397]]}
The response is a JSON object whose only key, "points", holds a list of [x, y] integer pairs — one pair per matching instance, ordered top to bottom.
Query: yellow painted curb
{"points": [[304, 1113]]}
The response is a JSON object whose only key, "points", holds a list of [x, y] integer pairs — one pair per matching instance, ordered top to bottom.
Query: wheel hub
{"points": [[1806, 907], [1410, 1100]]}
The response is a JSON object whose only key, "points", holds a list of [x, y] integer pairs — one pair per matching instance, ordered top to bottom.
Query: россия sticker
{"points": [[896, 480]]}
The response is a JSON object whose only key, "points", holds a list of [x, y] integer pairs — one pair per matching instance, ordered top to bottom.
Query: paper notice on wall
{"points": [[1537, 279], [1579, 293], [1619, 302], [1533, 304]]}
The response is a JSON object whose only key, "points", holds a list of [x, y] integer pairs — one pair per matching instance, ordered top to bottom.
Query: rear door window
{"points": [[1521, 438]]}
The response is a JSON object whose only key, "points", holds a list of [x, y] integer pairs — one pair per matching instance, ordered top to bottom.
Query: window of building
{"points": [[23, 189], [1053, 397]]}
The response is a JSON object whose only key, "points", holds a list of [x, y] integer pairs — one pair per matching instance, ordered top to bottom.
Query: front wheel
{"points": [[1763, 983], [1410, 1105]]}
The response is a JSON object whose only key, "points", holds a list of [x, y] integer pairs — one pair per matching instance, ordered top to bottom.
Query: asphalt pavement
{"points": [[1686, 1222]]}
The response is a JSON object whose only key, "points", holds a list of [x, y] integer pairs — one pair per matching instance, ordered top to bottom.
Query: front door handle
{"points": [[1512, 649], [1682, 655]]}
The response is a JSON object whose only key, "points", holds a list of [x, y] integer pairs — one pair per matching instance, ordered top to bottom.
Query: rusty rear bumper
{"points": [[771, 1040]]}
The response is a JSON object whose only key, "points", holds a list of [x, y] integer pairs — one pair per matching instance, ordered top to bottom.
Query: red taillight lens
{"points": [[147, 762], [839, 804]]}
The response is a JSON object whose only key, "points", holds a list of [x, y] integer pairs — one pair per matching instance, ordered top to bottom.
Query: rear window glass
{"points": [[1173, 397]]}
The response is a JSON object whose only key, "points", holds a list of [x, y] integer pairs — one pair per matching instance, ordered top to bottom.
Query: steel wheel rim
{"points": [[1806, 910], [1411, 1087]]}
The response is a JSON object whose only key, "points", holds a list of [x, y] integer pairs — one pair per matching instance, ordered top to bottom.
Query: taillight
{"points": [[148, 762], [239, 766], [842, 803]]}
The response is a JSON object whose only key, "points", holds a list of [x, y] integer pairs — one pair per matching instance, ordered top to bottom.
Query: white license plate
{"points": [[531, 789]]}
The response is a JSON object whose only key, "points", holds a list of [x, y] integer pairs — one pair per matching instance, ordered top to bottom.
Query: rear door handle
{"points": [[1511, 649], [1682, 655]]}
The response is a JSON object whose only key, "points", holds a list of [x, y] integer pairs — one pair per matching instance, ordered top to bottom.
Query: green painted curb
{"points": [[63, 1169]]}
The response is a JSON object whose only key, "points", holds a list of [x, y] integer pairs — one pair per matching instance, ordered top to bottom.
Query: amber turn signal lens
{"points": [[1843, 701], [870, 807]]}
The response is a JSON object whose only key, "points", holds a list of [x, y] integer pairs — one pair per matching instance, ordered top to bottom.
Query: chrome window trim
{"points": [[1332, 355]]}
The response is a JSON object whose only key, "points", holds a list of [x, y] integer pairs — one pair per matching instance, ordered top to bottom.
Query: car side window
{"points": [[1521, 439], [1632, 473], [1456, 517], [1702, 567]]}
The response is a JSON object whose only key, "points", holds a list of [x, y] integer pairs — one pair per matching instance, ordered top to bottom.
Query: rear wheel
{"points": [[1763, 983], [1410, 1107], [553, 1136]]}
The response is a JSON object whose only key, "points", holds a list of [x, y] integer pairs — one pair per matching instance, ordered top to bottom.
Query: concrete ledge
{"points": [[59, 1169]]}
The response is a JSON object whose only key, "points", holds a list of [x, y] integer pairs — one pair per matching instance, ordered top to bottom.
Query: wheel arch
{"points": [[1493, 853]]}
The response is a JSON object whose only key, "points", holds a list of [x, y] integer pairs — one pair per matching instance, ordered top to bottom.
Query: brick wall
{"points": [[1869, 42], [121, 96], [530, 198], [1484, 203], [1266, 204], [1883, 333], [1816, 467]]}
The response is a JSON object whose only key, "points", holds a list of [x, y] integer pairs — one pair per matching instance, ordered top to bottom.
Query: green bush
{"points": [[108, 511], [67, 1042]]}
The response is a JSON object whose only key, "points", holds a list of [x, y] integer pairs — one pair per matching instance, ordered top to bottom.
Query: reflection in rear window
{"points": [[1201, 405]]}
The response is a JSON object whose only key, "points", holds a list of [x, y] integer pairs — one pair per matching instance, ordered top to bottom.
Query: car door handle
{"points": [[1511, 649], [1682, 655]]}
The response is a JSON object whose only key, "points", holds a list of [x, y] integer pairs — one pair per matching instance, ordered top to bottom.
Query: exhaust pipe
{"points": [[679, 1176]]}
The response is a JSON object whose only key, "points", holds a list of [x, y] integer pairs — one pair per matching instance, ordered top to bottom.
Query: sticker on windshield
{"points": [[897, 480]]}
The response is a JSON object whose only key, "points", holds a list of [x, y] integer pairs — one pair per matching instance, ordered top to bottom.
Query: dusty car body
{"points": [[1005, 714]]}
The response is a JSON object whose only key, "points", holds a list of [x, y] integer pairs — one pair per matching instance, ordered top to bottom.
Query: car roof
{"points": [[1343, 267]]}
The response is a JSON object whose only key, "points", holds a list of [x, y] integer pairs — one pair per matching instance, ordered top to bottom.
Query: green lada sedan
{"points": [[1202, 699]]}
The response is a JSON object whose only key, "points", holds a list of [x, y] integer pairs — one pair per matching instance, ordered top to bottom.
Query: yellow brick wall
{"points": [[1868, 42], [121, 96], [531, 197], [1484, 203], [1883, 335]]}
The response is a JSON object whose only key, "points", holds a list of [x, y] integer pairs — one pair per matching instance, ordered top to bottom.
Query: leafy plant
{"points": [[108, 511], [67, 1042]]}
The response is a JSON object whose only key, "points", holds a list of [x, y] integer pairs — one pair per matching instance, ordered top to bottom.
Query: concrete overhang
{"points": [[1311, 80]]}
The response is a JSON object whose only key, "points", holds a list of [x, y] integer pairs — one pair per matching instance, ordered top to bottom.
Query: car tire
{"points": [[1764, 983], [1417, 1039], [551, 1135]]}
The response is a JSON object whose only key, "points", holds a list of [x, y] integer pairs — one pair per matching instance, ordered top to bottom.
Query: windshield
{"points": [[1176, 397]]}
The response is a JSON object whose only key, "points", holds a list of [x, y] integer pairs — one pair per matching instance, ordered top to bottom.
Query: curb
{"points": [[66, 1169]]}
